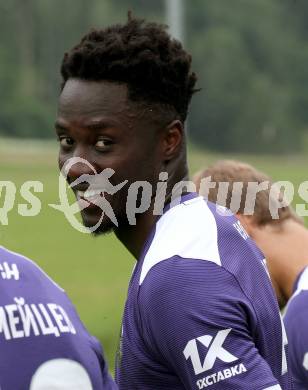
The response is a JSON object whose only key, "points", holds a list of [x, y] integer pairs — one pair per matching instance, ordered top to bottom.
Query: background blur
{"points": [[251, 58]]}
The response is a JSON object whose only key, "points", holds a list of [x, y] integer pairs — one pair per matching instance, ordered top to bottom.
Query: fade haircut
{"points": [[155, 67], [236, 171]]}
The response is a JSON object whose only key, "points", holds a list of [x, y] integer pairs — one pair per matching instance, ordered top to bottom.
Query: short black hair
{"points": [[142, 55]]}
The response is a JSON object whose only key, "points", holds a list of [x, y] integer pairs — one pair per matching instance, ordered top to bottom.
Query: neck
{"points": [[133, 237], [286, 249]]}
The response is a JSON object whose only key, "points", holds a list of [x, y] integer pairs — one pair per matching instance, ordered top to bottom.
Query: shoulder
{"points": [[197, 229], [187, 230], [201, 250], [16, 267], [182, 288], [297, 307], [296, 312], [296, 323]]}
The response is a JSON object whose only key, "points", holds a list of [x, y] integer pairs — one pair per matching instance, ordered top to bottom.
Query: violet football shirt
{"points": [[201, 312], [296, 322], [43, 343]]}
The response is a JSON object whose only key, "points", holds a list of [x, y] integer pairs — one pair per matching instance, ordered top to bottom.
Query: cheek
{"points": [[148, 160], [134, 161], [143, 169]]}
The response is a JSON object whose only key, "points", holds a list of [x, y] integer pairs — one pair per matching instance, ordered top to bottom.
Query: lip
{"points": [[78, 187], [88, 196]]}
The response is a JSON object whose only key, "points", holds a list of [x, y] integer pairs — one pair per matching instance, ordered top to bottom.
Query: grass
{"points": [[94, 271]]}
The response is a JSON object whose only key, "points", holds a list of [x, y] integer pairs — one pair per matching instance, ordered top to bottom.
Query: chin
{"points": [[91, 216], [106, 225]]}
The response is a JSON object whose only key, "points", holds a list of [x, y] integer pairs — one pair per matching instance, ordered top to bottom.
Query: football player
{"points": [[283, 239], [200, 309], [43, 343]]}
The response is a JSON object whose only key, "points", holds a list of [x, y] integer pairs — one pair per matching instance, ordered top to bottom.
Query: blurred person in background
{"points": [[284, 242], [193, 318], [43, 343]]}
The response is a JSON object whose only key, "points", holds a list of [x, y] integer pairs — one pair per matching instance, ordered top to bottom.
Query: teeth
{"points": [[91, 193], [88, 194]]}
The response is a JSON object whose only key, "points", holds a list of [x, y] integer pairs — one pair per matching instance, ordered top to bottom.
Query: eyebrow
{"points": [[96, 125], [58, 126]]}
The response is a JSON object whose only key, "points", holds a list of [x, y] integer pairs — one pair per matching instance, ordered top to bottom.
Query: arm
{"points": [[199, 322], [296, 323]]}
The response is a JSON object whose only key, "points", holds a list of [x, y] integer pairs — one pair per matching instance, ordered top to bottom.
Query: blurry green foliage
{"points": [[250, 56]]}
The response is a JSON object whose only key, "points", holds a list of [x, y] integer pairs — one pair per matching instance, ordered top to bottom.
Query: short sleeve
{"points": [[199, 322], [296, 324], [108, 382]]}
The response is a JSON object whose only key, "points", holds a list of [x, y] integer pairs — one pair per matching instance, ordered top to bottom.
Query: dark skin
{"points": [[97, 122]]}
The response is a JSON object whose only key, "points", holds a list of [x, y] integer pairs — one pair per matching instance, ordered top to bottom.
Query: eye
{"points": [[66, 142], [103, 144]]}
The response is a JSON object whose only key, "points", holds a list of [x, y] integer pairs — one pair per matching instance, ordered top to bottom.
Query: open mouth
{"points": [[92, 197]]}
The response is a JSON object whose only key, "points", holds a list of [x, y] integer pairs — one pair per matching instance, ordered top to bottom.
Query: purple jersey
{"points": [[201, 312], [296, 322], [43, 343]]}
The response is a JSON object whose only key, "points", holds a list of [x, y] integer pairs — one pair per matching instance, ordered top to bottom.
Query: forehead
{"points": [[86, 99]]}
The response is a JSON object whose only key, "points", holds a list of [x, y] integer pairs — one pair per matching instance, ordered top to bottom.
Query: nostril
{"points": [[80, 184]]}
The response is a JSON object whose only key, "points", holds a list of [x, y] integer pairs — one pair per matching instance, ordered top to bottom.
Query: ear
{"points": [[173, 139], [248, 223]]}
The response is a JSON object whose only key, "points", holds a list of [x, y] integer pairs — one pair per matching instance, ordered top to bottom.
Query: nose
{"points": [[77, 165], [79, 168]]}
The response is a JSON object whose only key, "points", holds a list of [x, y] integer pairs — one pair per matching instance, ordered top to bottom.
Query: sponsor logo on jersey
{"points": [[215, 352], [221, 376]]}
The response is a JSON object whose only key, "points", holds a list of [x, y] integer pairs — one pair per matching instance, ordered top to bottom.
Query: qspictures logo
{"points": [[98, 185], [139, 196]]}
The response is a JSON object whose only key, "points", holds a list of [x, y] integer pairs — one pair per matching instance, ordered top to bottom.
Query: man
{"points": [[284, 242], [200, 310], [43, 343]]}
